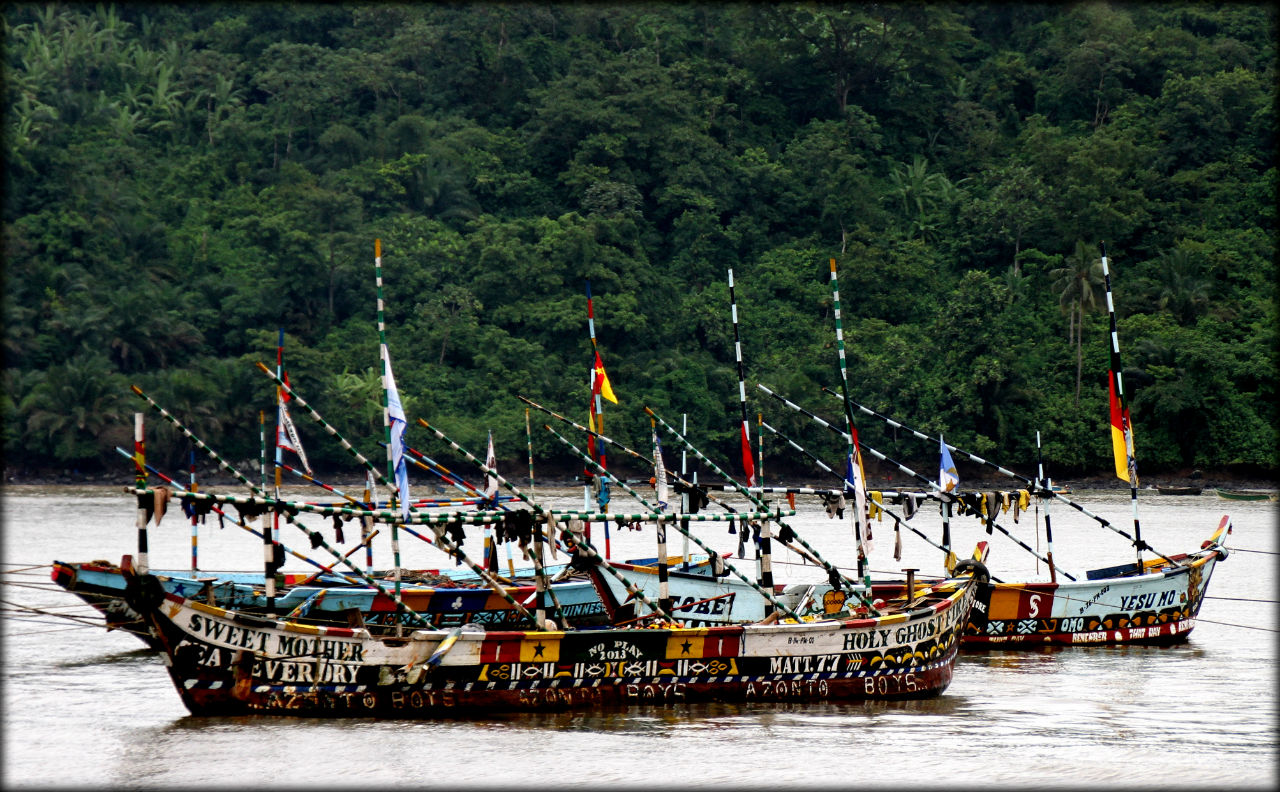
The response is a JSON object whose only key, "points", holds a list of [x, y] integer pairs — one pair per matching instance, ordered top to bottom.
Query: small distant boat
{"points": [[1062, 489], [1178, 490], [1246, 495]]}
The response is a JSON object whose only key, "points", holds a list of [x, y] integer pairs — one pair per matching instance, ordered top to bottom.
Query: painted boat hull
{"points": [[102, 585], [1119, 606], [1157, 607], [226, 663]]}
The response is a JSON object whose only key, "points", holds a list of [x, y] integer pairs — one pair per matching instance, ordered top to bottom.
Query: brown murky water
{"points": [[85, 707]]}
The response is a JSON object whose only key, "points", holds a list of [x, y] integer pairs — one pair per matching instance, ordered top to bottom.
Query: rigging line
{"points": [[1242, 550], [24, 569], [49, 586], [1242, 599], [69, 606], [34, 609], [57, 616], [1241, 626], [57, 629]]}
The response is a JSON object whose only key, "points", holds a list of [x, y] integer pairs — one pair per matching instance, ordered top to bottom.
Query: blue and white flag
{"points": [[395, 416], [948, 477], [491, 478]]}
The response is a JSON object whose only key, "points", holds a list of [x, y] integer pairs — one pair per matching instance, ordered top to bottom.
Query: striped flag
{"points": [[601, 381], [395, 414], [1120, 426], [286, 432], [948, 476]]}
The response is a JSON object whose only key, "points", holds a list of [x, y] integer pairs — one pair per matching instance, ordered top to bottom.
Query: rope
{"points": [[1242, 550]]}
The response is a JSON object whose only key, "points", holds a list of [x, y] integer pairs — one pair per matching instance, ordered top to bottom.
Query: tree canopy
{"points": [[181, 181]]}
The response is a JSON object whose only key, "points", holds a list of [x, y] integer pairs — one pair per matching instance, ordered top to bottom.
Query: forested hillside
{"points": [[183, 181]]}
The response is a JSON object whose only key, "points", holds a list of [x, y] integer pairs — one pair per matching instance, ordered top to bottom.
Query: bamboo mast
{"points": [[386, 409], [595, 417], [1126, 426], [854, 461], [747, 466], [828, 469], [140, 481], [660, 487], [936, 490], [684, 495], [537, 508], [195, 520], [239, 522], [1104, 522], [1048, 530], [266, 535], [442, 540], [268, 548], [832, 572], [768, 595]]}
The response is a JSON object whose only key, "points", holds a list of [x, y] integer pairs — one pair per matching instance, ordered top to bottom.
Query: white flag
{"points": [[396, 417], [491, 480]]}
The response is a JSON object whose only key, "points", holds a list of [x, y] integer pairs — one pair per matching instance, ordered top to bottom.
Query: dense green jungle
{"points": [[184, 181]]}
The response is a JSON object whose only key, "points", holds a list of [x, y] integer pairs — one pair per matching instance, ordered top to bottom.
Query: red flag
{"points": [[601, 383], [1119, 424], [748, 463]]}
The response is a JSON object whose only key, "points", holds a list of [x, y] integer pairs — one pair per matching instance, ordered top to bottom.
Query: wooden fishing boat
{"points": [[1178, 490], [1246, 495], [445, 601], [1156, 604], [227, 663]]}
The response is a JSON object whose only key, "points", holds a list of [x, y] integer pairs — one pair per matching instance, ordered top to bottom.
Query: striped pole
{"points": [[1118, 379], [386, 406], [597, 418], [623, 448], [760, 449], [854, 460], [979, 460], [747, 466], [828, 469], [140, 480], [933, 485], [660, 486], [684, 496], [275, 521], [240, 522], [366, 524], [195, 530], [1048, 531], [266, 535], [440, 539], [268, 549], [831, 570], [767, 594]]}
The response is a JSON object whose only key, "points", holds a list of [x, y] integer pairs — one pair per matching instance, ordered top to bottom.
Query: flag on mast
{"points": [[600, 382], [396, 416], [1120, 427], [286, 432], [748, 462], [659, 473], [948, 476], [490, 480], [856, 481]]}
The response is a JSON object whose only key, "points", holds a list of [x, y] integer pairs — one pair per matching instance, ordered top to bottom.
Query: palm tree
{"points": [[1079, 285], [1184, 292]]}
